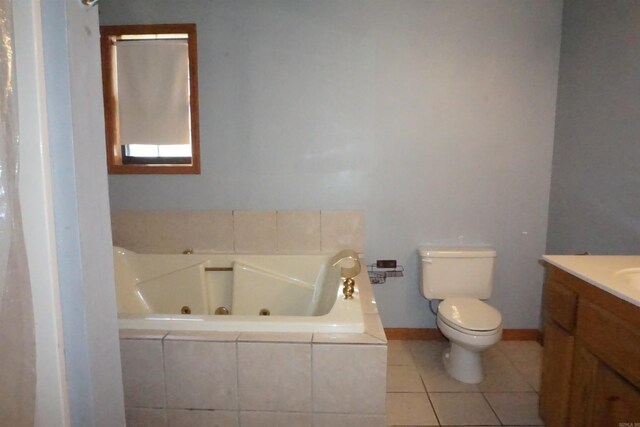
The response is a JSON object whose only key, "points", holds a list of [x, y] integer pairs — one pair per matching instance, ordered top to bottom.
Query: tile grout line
{"points": [[511, 363], [424, 385], [433, 408], [492, 410]]}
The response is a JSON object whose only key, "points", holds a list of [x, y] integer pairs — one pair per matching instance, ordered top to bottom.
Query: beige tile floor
{"points": [[420, 393]]}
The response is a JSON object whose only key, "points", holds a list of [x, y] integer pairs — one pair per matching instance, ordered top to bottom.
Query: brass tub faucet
{"points": [[347, 273]]}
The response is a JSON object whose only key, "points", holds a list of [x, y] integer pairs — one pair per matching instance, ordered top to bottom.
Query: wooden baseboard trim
{"points": [[408, 334], [522, 335]]}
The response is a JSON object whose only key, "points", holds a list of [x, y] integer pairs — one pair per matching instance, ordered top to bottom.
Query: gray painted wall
{"points": [[435, 118], [595, 196]]}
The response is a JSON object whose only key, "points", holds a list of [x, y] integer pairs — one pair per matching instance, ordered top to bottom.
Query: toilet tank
{"points": [[449, 272]]}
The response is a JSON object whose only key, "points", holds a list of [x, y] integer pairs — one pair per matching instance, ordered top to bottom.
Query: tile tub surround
{"points": [[266, 232], [255, 378]]}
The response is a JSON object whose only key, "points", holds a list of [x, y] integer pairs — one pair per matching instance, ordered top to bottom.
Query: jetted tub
{"points": [[300, 293]]}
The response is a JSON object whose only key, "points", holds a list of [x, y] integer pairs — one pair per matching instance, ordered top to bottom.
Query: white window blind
{"points": [[153, 92]]}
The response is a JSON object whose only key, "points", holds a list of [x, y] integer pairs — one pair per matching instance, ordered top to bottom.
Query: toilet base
{"points": [[462, 364]]}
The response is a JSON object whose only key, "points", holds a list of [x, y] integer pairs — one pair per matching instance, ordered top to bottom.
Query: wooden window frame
{"points": [[115, 165]]}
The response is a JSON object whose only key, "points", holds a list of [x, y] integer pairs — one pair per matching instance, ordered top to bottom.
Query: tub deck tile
{"points": [[365, 292], [373, 326], [142, 334], [218, 336], [295, 337], [346, 338]]}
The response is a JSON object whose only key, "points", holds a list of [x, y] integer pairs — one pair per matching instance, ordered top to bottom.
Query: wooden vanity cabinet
{"points": [[560, 317], [591, 359], [556, 375], [601, 396]]}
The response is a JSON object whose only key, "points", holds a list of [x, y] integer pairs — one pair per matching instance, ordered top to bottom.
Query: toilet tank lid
{"points": [[456, 252]]}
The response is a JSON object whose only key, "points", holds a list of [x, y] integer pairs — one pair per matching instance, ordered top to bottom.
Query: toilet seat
{"points": [[470, 316]]}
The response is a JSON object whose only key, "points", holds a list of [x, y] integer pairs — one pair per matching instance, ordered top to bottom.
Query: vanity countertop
{"points": [[617, 274]]}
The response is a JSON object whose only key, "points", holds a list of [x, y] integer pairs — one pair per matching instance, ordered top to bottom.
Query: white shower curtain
{"points": [[17, 342]]}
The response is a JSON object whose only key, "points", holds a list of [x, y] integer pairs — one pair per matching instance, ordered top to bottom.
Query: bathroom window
{"points": [[150, 85]]}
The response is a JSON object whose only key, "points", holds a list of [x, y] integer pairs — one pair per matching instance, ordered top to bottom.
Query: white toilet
{"points": [[461, 277]]}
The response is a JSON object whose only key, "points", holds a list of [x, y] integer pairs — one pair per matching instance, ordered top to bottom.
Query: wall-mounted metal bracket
{"points": [[379, 274]]}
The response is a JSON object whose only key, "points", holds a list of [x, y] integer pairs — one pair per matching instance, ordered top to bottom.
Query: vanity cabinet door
{"points": [[611, 339], [556, 375], [583, 382], [600, 396], [615, 401]]}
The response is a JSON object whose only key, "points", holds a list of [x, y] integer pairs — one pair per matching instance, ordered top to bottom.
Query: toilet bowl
{"points": [[471, 326]]}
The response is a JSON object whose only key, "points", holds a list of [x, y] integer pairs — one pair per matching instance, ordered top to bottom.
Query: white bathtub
{"points": [[303, 293]]}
